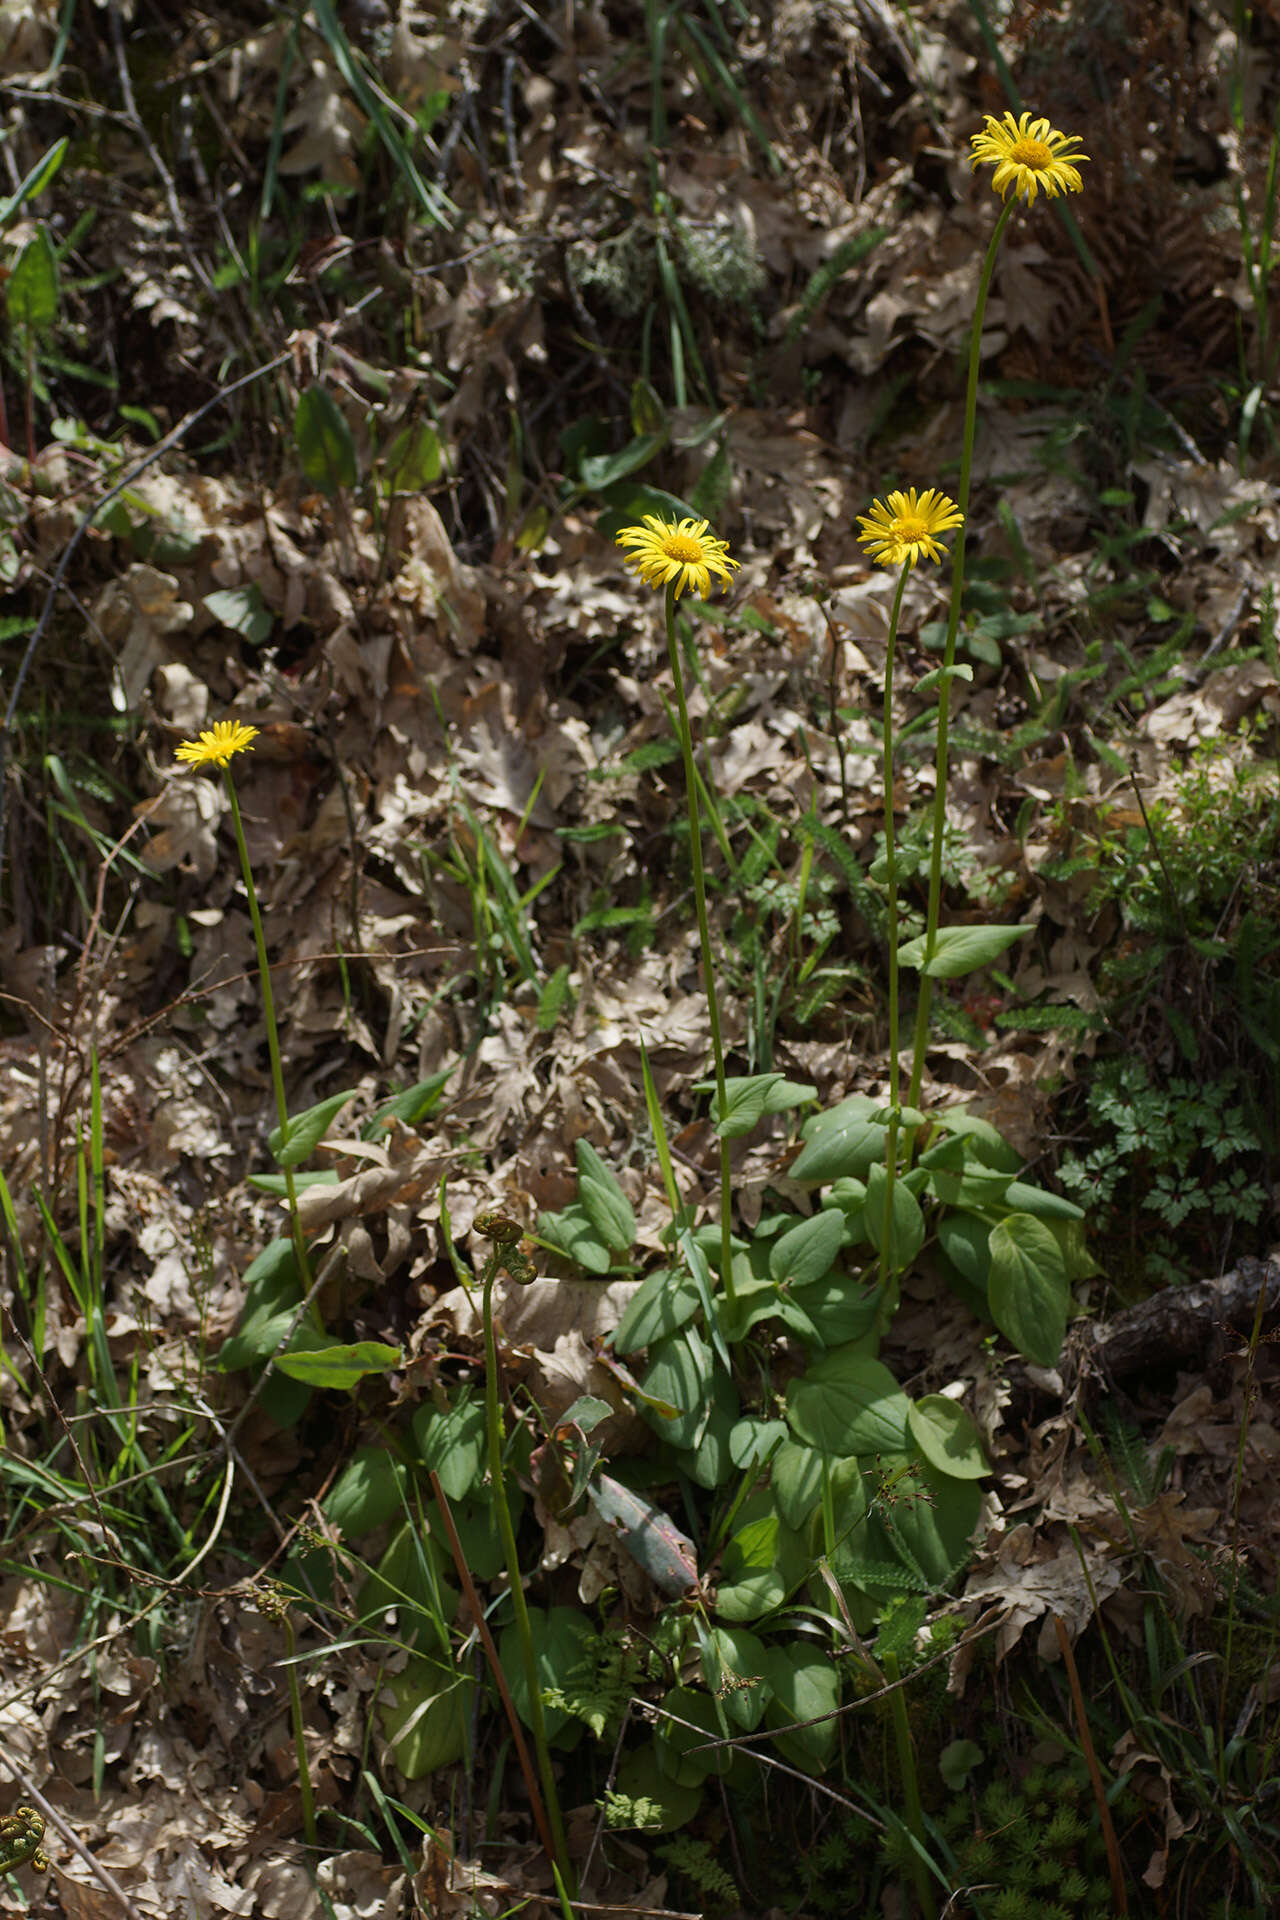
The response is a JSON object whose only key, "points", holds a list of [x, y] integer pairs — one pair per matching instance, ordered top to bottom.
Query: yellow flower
{"points": [[1028, 154], [905, 526], [682, 551], [215, 747]]}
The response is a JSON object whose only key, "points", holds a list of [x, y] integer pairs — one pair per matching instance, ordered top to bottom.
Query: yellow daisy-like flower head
{"points": [[1028, 154], [899, 530], [682, 551], [215, 747]]}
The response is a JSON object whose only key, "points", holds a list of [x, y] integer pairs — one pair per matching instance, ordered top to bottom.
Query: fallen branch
{"points": [[1182, 1323]]}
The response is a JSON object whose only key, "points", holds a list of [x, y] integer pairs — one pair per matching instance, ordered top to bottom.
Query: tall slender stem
{"points": [[948, 662], [891, 881], [704, 936], [273, 1037], [519, 1608], [306, 1792]]}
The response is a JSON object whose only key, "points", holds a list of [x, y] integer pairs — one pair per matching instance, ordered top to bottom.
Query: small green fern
{"points": [[695, 1860]]}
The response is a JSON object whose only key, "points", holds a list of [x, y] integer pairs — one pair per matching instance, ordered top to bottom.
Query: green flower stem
{"points": [[949, 660], [891, 882], [704, 935], [273, 1037], [493, 1423], [910, 1785]]}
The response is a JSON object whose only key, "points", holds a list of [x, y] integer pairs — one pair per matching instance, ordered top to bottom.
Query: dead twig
{"points": [[495, 1665], [1115, 1867]]}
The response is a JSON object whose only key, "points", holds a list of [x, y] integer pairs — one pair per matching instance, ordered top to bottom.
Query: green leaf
{"points": [[35, 182], [31, 294], [648, 415], [325, 445], [412, 459], [600, 470], [627, 501], [244, 611], [942, 676], [960, 950], [555, 993], [745, 1103], [410, 1108], [303, 1132], [840, 1143], [990, 1147], [276, 1184], [975, 1188], [850, 1196], [606, 1204], [1044, 1206], [905, 1230], [573, 1232], [1070, 1236], [965, 1238], [807, 1251], [1028, 1287], [271, 1298], [667, 1300], [839, 1312], [338, 1368], [680, 1373], [848, 1403], [947, 1437], [753, 1441], [452, 1443], [711, 1463], [795, 1475], [368, 1491], [849, 1508], [930, 1524], [477, 1531], [762, 1562], [410, 1577], [561, 1637], [733, 1668], [805, 1683], [428, 1717], [675, 1742], [957, 1761], [649, 1799]]}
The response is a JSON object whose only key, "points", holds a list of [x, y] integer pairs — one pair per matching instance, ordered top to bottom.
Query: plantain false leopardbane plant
{"points": [[830, 1476]]}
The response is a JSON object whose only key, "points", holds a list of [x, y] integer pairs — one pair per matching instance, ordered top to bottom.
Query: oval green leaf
{"points": [[960, 950], [807, 1251], [1028, 1287], [339, 1368], [848, 1403], [947, 1437]]}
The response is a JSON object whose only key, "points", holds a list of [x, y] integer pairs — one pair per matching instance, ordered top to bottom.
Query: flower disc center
{"points": [[1031, 153], [911, 532], [680, 546]]}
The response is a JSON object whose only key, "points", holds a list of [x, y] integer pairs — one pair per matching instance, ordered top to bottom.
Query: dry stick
{"points": [[171, 440], [491, 1653], [101, 1874], [1119, 1892]]}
